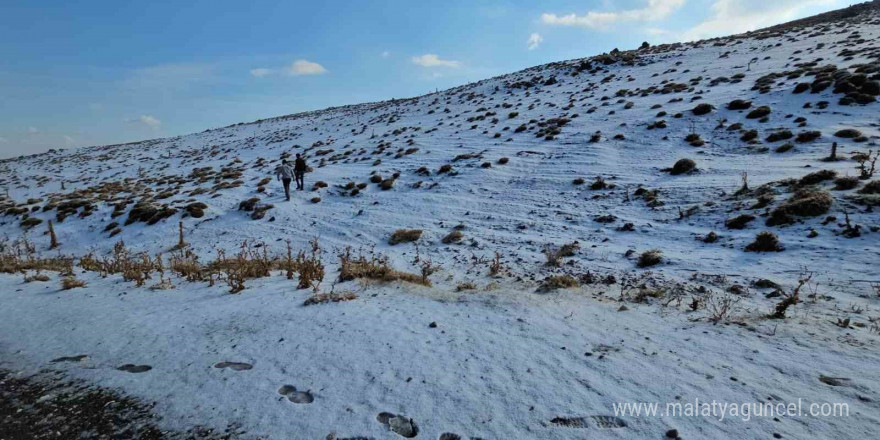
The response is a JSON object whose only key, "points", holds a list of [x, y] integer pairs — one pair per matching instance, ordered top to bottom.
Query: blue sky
{"points": [[96, 72]]}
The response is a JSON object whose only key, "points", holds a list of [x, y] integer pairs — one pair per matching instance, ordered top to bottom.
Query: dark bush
{"points": [[759, 112], [683, 166], [765, 242]]}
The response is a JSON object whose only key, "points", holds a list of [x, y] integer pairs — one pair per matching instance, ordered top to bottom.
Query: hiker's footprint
{"points": [[77, 358], [236, 366], [131, 368], [295, 396], [601, 422], [608, 422], [401, 425], [451, 436]]}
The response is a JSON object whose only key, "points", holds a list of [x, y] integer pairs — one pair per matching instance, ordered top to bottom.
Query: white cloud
{"points": [[655, 10], [737, 16], [534, 41], [385, 54], [432, 60], [306, 67], [260, 72], [148, 120], [32, 130]]}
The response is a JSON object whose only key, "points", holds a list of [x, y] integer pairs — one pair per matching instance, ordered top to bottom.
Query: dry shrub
{"points": [[404, 236], [453, 237], [765, 241], [554, 255], [20, 256], [650, 258], [251, 262], [185, 263], [495, 266], [310, 267], [375, 267], [138, 268], [71, 282], [554, 282], [324, 298], [790, 299], [721, 307]]}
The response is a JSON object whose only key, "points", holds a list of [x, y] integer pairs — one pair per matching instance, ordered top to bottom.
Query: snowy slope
{"points": [[484, 374]]}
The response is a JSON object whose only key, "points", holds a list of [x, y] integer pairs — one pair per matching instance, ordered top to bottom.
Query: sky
{"points": [[99, 72]]}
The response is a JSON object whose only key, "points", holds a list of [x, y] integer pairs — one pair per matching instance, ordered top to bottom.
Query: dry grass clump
{"points": [[739, 104], [702, 109], [759, 112], [848, 133], [781, 135], [784, 148], [503, 161], [683, 166], [817, 177], [578, 181], [846, 183], [872, 187], [806, 202], [196, 209], [149, 212], [30, 222], [739, 222], [404, 236], [453, 237], [765, 241], [554, 255], [20, 256], [650, 258], [251, 262], [185, 263], [308, 265], [376, 267], [41, 277], [71, 282], [555, 282], [465, 286], [324, 298]]}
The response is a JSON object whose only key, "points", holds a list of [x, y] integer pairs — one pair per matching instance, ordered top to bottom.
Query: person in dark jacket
{"points": [[299, 171], [284, 172]]}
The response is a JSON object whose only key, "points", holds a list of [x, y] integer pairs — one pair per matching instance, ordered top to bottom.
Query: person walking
{"points": [[299, 171], [284, 173]]}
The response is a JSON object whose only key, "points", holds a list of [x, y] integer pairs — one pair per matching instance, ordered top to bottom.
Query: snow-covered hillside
{"points": [[585, 153]]}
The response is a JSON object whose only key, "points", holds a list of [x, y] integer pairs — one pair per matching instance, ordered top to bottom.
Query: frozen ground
{"points": [[503, 360], [499, 365]]}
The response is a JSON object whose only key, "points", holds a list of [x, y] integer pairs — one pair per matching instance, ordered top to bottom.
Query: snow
{"points": [[504, 360], [497, 365]]}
